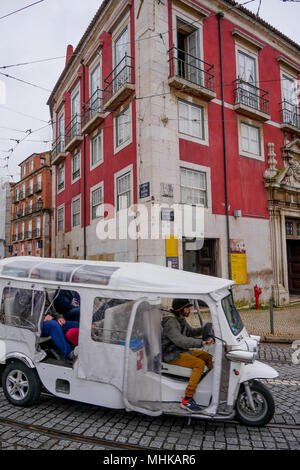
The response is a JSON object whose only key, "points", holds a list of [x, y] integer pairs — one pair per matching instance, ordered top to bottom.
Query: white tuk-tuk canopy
{"points": [[126, 277]]}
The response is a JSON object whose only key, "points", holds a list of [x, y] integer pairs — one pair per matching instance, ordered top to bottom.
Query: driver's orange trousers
{"points": [[196, 360]]}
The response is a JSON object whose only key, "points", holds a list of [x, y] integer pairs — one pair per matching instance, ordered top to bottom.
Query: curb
{"points": [[278, 339]]}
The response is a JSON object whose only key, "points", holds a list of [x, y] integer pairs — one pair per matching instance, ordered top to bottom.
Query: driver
{"points": [[177, 339]]}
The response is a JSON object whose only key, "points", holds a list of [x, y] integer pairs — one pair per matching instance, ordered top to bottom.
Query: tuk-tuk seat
{"points": [[175, 370]]}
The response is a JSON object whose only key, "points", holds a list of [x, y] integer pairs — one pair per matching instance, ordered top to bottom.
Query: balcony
{"points": [[191, 74], [119, 84], [251, 101], [93, 114], [290, 117], [73, 134], [58, 153], [37, 188], [29, 191], [22, 195], [36, 233], [28, 235], [21, 236], [14, 238]]}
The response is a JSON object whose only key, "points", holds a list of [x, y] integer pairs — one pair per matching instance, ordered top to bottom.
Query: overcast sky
{"points": [[44, 31]]}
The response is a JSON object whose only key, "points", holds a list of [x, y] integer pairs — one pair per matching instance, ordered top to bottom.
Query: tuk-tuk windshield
{"points": [[232, 315]]}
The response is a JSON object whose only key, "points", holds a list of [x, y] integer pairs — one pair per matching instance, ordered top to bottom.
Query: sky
{"points": [[43, 31]]}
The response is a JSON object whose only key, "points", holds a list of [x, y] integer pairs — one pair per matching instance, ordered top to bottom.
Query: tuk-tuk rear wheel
{"points": [[21, 385], [263, 402]]}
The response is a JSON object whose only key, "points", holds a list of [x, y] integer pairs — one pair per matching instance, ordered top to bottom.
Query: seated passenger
{"points": [[67, 303], [107, 303], [53, 324], [177, 339]]}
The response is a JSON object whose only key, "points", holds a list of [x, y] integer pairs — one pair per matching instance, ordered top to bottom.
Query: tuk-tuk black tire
{"points": [[34, 384], [268, 397]]}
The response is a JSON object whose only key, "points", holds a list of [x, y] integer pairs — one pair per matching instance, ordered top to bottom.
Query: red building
{"points": [[183, 102], [31, 208]]}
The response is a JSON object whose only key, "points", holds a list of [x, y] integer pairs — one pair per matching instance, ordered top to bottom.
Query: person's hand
{"points": [[48, 318], [61, 321], [208, 341]]}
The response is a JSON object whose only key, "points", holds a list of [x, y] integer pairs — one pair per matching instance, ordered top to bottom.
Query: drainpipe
{"points": [[220, 15], [84, 166]]}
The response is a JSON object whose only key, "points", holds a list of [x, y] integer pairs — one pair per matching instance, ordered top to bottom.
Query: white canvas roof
{"points": [[130, 277]]}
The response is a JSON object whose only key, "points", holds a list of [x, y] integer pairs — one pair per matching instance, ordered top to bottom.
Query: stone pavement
{"points": [[286, 322]]}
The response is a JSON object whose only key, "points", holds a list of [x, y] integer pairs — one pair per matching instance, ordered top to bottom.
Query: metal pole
{"points": [[271, 317]]}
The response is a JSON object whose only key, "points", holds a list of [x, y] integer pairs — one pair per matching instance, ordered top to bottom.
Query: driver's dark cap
{"points": [[179, 304]]}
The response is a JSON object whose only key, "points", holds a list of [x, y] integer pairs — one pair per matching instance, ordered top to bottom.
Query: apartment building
{"points": [[182, 102], [31, 208], [5, 211]]}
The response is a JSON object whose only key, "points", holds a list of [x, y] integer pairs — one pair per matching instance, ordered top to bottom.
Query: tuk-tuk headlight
{"points": [[241, 356]]}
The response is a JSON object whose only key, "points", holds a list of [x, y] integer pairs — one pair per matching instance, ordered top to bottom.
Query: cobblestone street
{"points": [[61, 424]]}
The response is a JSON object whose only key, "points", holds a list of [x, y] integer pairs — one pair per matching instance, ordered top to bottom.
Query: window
{"points": [[188, 52], [122, 64], [247, 90], [95, 97], [290, 105], [75, 110], [190, 119], [122, 124], [250, 138], [96, 150], [42, 161], [31, 165], [76, 166], [23, 170], [60, 178], [39, 182], [123, 184], [193, 187], [30, 191], [96, 201], [30, 206], [76, 212], [60, 219], [38, 226], [29, 229], [22, 230], [29, 248], [110, 320]]}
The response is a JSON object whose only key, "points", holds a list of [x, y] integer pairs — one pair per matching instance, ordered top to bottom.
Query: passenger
{"points": [[67, 303], [106, 303], [53, 324], [177, 339]]}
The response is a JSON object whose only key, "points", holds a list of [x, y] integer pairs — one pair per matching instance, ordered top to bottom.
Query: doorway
{"points": [[292, 229], [200, 259]]}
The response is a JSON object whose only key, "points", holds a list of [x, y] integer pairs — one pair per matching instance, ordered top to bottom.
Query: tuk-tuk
{"points": [[119, 358]]}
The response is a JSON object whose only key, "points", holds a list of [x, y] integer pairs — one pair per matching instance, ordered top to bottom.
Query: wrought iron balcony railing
{"points": [[192, 69], [122, 74], [251, 96], [92, 107], [290, 114], [73, 133], [58, 147], [36, 233]]}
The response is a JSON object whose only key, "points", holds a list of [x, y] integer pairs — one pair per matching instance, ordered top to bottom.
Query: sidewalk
{"points": [[286, 323]]}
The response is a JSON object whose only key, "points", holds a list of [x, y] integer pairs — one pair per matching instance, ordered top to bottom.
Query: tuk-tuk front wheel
{"points": [[21, 385], [263, 402]]}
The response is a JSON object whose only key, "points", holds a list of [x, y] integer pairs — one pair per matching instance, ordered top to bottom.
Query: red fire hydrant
{"points": [[257, 292]]}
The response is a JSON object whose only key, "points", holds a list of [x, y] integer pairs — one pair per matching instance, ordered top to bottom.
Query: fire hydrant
{"points": [[257, 292]]}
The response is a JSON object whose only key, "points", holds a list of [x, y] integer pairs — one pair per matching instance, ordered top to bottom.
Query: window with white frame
{"points": [[290, 104], [190, 119], [122, 127], [250, 138], [96, 150], [76, 160], [31, 165], [24, 170], [60, 178], [39, 182], [193, 186], [123, 188], [96, 201], [30, 205], [76, 212], [60, 219], [38, 226], [29, 229], [22, 230], [29, 248]]}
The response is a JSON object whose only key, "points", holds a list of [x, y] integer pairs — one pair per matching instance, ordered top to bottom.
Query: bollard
{"points": [[271, 317]]}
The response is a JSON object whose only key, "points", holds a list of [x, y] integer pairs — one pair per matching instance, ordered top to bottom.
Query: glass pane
{"points": [[289, 228], [18, 268], [53, 271], [93, 274], [21, 308]]}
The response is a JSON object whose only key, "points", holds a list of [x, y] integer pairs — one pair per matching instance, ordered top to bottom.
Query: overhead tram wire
{"points": [[20, 9]]}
